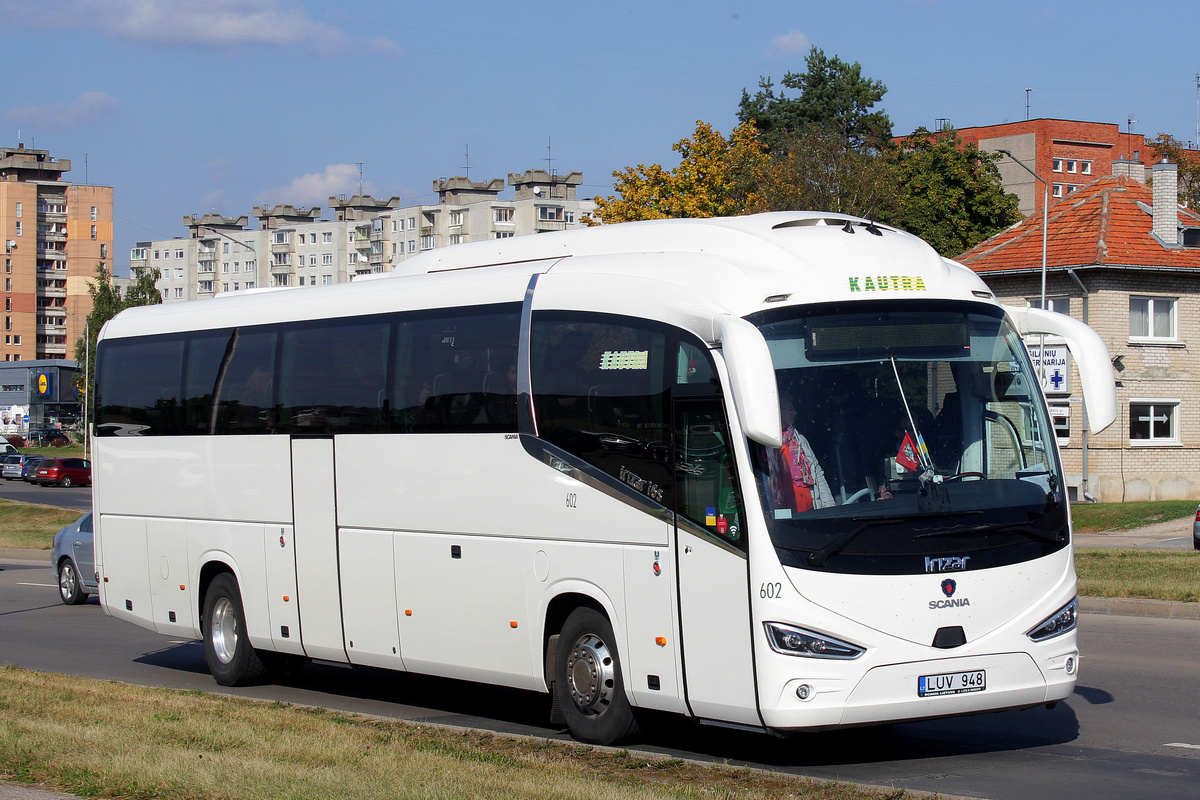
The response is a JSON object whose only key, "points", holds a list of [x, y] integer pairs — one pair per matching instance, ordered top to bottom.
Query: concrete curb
{"points": [[24, 791]]}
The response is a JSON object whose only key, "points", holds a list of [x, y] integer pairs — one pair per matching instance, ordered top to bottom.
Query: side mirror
{"points": [[1091, 356], [752, 375]]}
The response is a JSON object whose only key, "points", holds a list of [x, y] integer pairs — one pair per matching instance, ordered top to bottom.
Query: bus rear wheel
{"points": [[231, 659], [588, 679]]}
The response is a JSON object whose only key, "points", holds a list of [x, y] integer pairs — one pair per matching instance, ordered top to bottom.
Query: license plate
{"points": [[952, 683]]}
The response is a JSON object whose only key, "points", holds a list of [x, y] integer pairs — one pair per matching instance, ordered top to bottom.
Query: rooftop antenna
{"points": [[1028, 89], [1198, 109], [1129, 123], [549, 158], [467, 166], [360, 179], [86, 182]]}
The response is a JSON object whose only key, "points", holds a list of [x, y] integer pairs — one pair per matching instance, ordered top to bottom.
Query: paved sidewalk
{"points": [[1173, 535]]}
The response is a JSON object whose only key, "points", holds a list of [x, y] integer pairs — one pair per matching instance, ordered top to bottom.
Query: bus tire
{"points": [[231, 659], [589, 681]]}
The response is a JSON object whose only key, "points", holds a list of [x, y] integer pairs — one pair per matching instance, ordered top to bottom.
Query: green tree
{"points": [[832, 93], [1189, 166], [715, 177], [950, 193], [107, 302]]}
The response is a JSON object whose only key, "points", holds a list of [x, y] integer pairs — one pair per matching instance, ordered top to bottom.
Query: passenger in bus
{"points": [[797, 479]]}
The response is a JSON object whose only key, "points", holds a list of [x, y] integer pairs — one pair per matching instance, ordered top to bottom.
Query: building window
{"points": [[1058, 165], [1072, 166], [1085, 168], [1058, 190], [18, 210], [95, 213], [550, 213], [503, 216], [569, 216], [456, 217], [412, 223], [18, 227], [503, 234], [281, 237], [327, 237], [458, 238], [427, 243], [412, 245], [225, 247], [103, 251], [179, 254], [327, 258], [250, 265], [225, 266], [237, 266], [179, 272], [281, 280], [326, 280], [8, 284], [250, 284], [206, 286], [224, 287], [178, 292], [1060, 305], [1152, 318], [16, 340], [1060, 419], [1153, 421]]}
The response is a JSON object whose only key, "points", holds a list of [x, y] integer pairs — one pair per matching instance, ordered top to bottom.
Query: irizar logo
{"points": [[947, 564], [948, 588]]}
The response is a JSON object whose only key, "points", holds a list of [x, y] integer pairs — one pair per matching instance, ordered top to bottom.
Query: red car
{"points": [[64, 472]]}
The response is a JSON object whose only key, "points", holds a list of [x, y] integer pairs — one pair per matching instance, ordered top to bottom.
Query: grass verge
{"points": [[1093, 517], [29, 526], [1153, 574], [106, 739]]}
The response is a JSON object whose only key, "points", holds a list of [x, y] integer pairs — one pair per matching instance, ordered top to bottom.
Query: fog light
{"points": [[1070, 665], [804, 691]]}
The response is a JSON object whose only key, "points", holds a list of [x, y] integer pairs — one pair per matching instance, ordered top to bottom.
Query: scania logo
{"points": [[948, 589]]}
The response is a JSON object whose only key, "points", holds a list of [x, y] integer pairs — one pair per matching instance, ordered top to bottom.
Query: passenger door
{"points": [[713, 567]]}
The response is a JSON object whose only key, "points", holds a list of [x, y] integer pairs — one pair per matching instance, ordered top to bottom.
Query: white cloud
{"points": [[204, 23], [789, 44], [87, 107], [315, 188]]}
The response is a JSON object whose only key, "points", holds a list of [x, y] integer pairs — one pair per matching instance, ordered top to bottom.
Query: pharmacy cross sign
{"points": [[1056, 380]]}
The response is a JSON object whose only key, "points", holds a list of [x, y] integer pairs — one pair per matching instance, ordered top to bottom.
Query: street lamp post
{"points": [[1045, 229], [87, 360]]}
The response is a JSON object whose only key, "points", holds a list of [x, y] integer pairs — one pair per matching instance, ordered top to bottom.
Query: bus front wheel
{"points": [[231, 659], [588, 679]]}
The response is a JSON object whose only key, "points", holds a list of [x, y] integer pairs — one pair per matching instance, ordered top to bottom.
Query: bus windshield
{"points": [[915, 440]]}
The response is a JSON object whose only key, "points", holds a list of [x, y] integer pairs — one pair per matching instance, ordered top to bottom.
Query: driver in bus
{"points": [[797, 479]]}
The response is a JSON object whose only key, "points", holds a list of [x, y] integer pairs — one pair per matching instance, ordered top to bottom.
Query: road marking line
{"points": [[47, 585], [1182, 744]]}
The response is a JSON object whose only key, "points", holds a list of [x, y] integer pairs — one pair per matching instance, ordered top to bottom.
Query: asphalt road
{"points": [[76, 497], [1131, 730]]}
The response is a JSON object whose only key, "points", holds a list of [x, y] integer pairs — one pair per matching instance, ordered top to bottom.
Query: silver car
{"points": [[14, 463], [74, 560]]}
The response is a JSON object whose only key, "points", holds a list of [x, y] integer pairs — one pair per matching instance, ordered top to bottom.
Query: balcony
{"points": [[543, 225], [51, 291]]}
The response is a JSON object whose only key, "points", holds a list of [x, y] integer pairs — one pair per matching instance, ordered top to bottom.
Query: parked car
{"points": [[48, 437], [31, 463], [15, 464], [63, 471], [1196, 530], [73, 558]]}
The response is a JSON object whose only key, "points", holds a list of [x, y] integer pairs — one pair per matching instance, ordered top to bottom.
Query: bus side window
{"points": [[140, 385], [600, 392], [246, 404], [705, 482]]}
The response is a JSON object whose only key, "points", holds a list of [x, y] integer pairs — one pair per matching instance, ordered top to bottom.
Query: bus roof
{"points": [[678, 270]]}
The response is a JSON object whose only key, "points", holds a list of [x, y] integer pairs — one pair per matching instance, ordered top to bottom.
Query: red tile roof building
{"points": [[1126, 260]]}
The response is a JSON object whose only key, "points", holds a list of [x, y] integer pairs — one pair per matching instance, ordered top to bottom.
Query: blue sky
{"points": [[190, 106]]}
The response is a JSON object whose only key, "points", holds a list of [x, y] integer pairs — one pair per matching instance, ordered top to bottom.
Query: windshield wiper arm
{"points": [[1056, 537], [817, 558]]}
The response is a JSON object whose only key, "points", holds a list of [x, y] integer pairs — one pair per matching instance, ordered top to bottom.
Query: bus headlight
{"points": [[1058, 623], [791, 641]]}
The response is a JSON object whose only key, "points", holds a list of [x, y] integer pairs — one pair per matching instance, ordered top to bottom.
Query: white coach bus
{"points": [[778, 472]]}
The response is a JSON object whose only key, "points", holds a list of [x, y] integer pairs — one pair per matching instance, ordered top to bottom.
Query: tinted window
{"points": [[205, 353], [455, 371], [333, 377], [245, 385], [138, 386], [600, 391]]}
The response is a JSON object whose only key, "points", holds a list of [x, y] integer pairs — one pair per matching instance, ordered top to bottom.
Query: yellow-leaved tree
{"points": [[715, 178]]}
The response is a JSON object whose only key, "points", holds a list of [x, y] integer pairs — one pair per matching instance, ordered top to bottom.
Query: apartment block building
{"points": [[54, 234], [294, 247], [1125, 259]]}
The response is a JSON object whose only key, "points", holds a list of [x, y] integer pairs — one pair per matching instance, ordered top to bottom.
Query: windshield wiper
{"points": [[1055, 538], [817, 558]]}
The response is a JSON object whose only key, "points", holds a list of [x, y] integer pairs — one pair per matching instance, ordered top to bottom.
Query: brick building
{"points": [[1067, 154], [1125, 260]]}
